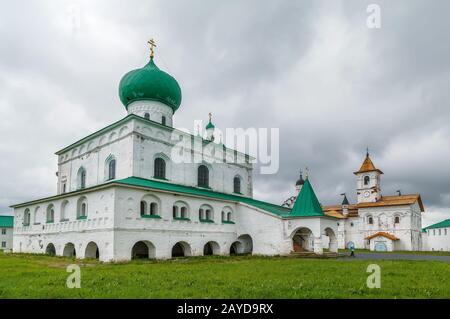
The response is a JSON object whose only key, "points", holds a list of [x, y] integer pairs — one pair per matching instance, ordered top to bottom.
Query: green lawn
{"points": [[37, 276]]}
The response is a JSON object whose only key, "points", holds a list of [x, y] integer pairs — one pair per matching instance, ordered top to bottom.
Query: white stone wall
{"points": [[135, 145], [97, 227], [408, 230], [6, 238], [437, 239]]}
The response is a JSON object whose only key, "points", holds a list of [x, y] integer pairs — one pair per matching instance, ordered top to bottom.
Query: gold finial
{"points": [[152, 44], [210, 116], [306, 172]]}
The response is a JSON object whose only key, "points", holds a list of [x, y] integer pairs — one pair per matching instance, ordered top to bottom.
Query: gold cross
{"points": [[152, 46]]}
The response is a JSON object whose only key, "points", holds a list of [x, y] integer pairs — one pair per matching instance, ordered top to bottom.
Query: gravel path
{"points": [[394, 256]]}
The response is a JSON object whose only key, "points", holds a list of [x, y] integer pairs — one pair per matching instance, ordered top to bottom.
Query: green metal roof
{"points": [[210, 125], [176, 188], [307, 204], [282, 212], [6, 221], [442, 224]]}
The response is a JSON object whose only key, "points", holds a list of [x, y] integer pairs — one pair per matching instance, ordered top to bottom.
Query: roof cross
{"points": [[152, 44]]}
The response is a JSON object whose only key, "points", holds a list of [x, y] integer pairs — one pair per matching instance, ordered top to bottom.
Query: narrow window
{"points": [[147, 116], [163, 120], [160, 168], [112, 169], [203, 176], [82, 178], [366, 180], [237, 185], [64, 187], [143, 207], [83, 209], [153, 209], [175, 212], [183, 212], [201, 214], [208, 214], [223, 216], [229, 217], [370, 220], [397, 220], [3, 231]]}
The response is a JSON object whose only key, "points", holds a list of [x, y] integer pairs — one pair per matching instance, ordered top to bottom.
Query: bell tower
{"points": [[368, 188]]}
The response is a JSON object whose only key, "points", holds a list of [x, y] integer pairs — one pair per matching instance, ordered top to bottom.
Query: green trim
{"points": [[151, 216], [81, 217], [181, 218], [6, 221], [49, 221], [206, 221], [227, 222], [442, 224]]}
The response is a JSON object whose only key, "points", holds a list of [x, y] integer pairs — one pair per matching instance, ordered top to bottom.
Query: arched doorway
{"points": [[302, 240], [330, 242], [244, 245], [380, 246], [211, 248], [235, 248], [181, 249], [50, 250], [69, 250], [143, 250], [92, 251]]}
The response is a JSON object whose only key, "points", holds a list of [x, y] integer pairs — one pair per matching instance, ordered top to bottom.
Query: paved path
{"points": [[394, 256]]}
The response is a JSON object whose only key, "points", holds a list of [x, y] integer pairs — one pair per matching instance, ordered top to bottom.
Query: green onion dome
{"points": [[150, 84]]}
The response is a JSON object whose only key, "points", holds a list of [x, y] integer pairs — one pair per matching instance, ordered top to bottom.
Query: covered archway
{"points": [[302, 240], [330, 242], [244, 245], [211, 248], [181, 249], [50, 250], [69, 250], [143, 250], [92, 251]]}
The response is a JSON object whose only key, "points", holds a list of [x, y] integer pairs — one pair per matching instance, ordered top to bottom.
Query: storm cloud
{"points": [[313, 69]]}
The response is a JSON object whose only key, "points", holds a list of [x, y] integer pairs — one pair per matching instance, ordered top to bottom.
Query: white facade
{"points": [[6, 238], [437, 239]]}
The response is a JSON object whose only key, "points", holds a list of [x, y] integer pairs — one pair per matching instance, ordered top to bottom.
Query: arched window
{"points": [[147, 116], [163, 120], [160, 168], [112, 169], [203, 176], [81, 178], [366, 180], [237, 185], [143, 207], [82, 208], [153, 209], [180, 210], [175, 211], [63, 213], [205, 213], [50, 214], [223, 216], [26, 217], [229, 218], [370, 220], [397, 220]]}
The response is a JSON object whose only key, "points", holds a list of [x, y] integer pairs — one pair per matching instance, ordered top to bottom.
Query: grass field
{"points": [[408, 252], [37, 276]]}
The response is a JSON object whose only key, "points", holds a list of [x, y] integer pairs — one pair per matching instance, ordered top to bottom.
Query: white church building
{"points": [[121, 195]]}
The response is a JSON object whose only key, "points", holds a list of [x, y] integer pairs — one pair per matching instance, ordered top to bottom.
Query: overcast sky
{"points": [[313, 69]]}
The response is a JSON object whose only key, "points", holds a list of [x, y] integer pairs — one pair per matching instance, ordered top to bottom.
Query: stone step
{"points": [[311, 254]]}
